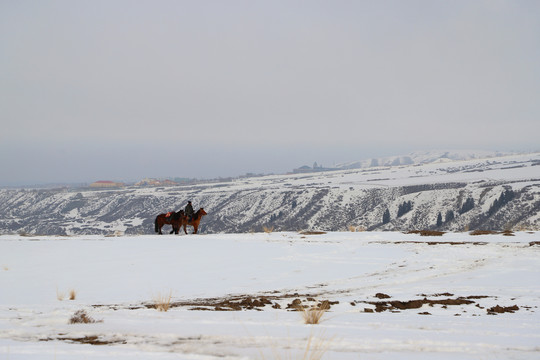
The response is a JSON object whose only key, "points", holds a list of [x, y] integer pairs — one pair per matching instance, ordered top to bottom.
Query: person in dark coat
{"points": [[189, 211]]}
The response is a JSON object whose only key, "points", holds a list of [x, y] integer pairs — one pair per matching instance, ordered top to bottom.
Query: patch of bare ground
{"points": [[312, 232], [426, 232], [491, 232], [441, 233], [442, 242], [533, 243], [435, 295], [247, 302], [235, 303], [313, 303], [415, 304], [300, 305], [398, 305], [502, 309], [90, 340], [94, 340]]}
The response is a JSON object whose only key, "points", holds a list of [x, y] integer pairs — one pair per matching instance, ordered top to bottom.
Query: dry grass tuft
{"points": [[268, 229], [72, 294], [60, 295], [163, 302], [314, 314], [81, 317]]}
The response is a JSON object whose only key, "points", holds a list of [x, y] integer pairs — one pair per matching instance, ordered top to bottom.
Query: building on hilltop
{"points": [[315, 168]]}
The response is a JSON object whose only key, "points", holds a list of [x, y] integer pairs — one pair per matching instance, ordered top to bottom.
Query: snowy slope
{"points": [[422, 157], [330, 201], [392, 296]]}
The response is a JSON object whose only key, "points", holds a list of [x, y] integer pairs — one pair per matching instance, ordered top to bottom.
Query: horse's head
{"points": [[202, 212]]}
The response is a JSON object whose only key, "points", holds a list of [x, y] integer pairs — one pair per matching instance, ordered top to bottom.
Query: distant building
{"points": [[315, 168], [303, 169], [106, 184]]}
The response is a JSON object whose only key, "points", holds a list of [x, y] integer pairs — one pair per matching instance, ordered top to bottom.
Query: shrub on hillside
{"points": [[504, 199], [467, 206], [404, 208], [386, 217]]}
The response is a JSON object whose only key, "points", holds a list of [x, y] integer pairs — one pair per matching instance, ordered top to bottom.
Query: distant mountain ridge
{"points": [[421, 157], [494, 193]]}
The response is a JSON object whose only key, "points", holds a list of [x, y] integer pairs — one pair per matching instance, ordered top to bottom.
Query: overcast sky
{"points": [[121, 90]]}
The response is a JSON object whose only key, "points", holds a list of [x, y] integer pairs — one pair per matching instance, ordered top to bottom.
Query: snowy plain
{"points": [[367, 277]]}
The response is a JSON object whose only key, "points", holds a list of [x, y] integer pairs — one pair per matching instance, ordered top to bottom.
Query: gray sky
{"points": [[123, 90]]}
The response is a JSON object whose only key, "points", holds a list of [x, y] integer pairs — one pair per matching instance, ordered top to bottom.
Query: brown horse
{"points": [[173, 218], [194, 221]]}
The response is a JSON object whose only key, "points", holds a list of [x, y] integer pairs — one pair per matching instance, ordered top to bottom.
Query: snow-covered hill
{"points": [[422, 157], [492, 193]]}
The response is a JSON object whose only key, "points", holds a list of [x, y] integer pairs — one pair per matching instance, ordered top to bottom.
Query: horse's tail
{"points": [[156, 225]]}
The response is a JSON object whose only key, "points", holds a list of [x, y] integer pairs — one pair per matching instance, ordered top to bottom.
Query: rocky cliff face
{"points": [[331, 201]]}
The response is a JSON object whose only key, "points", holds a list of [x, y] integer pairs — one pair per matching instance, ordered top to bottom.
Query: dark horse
{"points": [[173, 218], [194, 221]]}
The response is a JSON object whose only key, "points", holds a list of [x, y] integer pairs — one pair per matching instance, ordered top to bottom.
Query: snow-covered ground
{"points": [[440, 291]]}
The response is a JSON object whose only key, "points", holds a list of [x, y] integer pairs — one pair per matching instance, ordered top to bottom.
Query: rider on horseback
{"points": [[189, 211]]}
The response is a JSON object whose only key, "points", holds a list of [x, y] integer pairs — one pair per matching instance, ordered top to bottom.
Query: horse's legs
{"points": [[195, 227], [185, 229], [159, 230]]}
